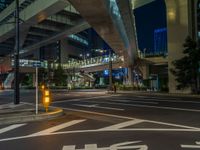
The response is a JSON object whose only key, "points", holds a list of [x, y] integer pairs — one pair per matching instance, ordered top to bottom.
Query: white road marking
{"points": [[153, 97], [79, 99], [165, 100], [138, 101], [84, 105], [96, 106], [147, 106], [131, 118], [123, 124], [11, 127], [56, 128], [185, 128], [96, 131], [124, 145], [192, 146], [72, 147], [90, 147]]}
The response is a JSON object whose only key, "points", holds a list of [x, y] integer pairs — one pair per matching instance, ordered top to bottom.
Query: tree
{"points": [[186, 68], [59, 76]]}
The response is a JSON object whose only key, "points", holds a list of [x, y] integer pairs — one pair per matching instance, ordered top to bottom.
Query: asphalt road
{"points": [[98, 121]]}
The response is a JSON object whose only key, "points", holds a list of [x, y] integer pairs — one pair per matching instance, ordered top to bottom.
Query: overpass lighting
{"points": [[172, 15], [79, 39]]}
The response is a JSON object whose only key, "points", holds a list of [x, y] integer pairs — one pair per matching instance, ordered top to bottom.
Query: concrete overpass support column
{"points": [[179, 27], [145, 71], [130, 76]]}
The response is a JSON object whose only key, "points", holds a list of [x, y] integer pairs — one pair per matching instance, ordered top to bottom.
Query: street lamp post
{"points": [[16, 55]]}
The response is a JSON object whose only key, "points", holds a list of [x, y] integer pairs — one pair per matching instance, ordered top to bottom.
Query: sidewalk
{"points": [[150, 93], [25, 112]]}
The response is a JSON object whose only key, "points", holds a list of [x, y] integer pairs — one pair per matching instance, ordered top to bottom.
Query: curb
{"points": [[158, 94], [57, 112]]}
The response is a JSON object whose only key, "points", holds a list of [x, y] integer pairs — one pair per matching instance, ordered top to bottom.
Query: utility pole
{"points": [[16, 56]]}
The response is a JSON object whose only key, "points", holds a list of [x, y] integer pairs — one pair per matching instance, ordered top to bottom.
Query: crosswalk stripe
{"points": [[122, 125], [11, 127], [56, 128], [69, 147], [91, 147]]}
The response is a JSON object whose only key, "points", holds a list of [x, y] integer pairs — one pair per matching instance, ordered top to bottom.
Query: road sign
{"points": [[31, 63], [37, 64], [125, 145]]}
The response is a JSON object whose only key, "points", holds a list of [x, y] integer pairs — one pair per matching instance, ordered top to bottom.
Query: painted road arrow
{"points": [[118, 146]]}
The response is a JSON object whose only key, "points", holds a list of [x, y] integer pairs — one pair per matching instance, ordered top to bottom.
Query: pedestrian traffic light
{"points": [[46, 99]]}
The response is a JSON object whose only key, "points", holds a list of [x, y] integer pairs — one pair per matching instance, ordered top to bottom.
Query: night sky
{"points": [[148, 18]]}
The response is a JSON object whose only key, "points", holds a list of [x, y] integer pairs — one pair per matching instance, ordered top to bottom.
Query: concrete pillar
{"points": [[178, 14], [145, 70], [130, 76]]}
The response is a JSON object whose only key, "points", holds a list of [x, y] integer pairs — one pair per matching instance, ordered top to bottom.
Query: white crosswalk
{"points": [[122, 125], [127, 125], [11, 127], [56, 128]]}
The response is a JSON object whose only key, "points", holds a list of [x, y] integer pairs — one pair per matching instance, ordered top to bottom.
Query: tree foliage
{"points": [[186, 68], [59, 76]]}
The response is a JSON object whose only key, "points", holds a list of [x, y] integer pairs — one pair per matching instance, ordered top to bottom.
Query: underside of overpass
{"points": [[46, 21]]}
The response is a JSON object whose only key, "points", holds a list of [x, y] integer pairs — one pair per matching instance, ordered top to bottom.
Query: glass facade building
{"points": [[160, 41]]}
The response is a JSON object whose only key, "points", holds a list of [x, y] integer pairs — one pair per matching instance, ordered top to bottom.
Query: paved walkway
{"points": [[25, 112]]}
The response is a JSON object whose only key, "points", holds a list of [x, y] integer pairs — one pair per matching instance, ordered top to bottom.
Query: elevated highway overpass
{"points": [[115, 24]]}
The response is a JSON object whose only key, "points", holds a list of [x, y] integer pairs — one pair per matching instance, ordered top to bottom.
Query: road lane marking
{"points": [[151, 97], [79, 99], [165, 100], [138, 101], [96, 106], [147, 106], [131, 118], [123, 124], [11, 127], [56, 128], [186, 128], [96, 131], [125, 145], [192, 146], [72, 147]]}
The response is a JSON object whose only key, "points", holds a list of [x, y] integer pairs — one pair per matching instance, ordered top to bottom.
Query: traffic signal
{"points": [[46, 99]]}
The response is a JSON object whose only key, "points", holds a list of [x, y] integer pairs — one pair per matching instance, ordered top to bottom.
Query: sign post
{"points": [[36, 64], [36, 90]]}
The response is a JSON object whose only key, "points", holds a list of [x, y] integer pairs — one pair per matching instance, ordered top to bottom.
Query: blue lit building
{"points": [[160, 41]]}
